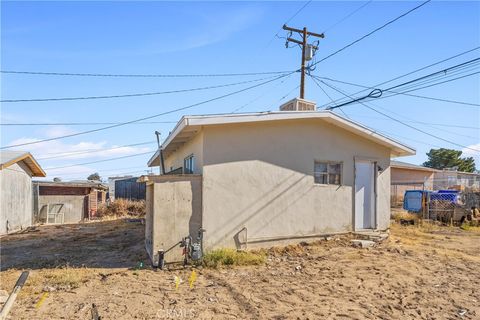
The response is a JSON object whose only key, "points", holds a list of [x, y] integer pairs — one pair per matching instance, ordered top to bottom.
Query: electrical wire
{"points": [[347, 16], [288, 20], [372, 32], [414, 71], [434, 74], [111, 75], [325, 92], [402, 93], [135, 94], [260, 96], [149, 117], [402, 122], [77, 123], [430, 123], [74, 153], [98, 161]]}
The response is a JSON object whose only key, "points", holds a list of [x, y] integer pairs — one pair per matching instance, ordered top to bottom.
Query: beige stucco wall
{"points": [[193, 146], [403, 175], [404, 179], [258, 181], [15, 198], [174, 211]]}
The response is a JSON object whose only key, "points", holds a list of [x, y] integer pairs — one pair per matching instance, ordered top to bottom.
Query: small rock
{"points": [[328, 238], [363, 243], [298, 268], [49, 289], [212, 299], [462, 312]]}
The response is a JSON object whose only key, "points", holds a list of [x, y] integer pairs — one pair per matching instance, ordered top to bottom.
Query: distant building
{"points": [[16, 171], [407, 176], [111, 185], [67, 202]]}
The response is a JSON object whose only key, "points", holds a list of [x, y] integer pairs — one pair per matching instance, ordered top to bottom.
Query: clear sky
{"points": [[221, 37]]}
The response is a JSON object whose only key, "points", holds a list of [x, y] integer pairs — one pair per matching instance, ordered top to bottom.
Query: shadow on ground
{"points": [[105, 244]]}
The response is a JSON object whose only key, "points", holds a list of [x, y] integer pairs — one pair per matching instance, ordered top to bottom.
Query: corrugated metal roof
{"points": [[7, 158]]}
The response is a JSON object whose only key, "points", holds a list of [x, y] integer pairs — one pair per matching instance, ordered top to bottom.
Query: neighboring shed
{"points": [[16, 171], [406, 176], [269, 177], [111, 185], [129, 189], [67, 202]]}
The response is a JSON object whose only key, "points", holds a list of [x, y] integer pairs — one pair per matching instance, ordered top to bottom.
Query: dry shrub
{"points": [[121, 208], [404, 215], [232, 257]]}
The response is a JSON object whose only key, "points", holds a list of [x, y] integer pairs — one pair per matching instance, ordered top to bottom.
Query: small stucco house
{"points": [[256, 179], [16, 198], [67, 202]]}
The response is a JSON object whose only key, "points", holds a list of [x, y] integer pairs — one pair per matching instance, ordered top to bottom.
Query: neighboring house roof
{"points": [[188, 126], [8, 158], [405, 165], [73, 184]]}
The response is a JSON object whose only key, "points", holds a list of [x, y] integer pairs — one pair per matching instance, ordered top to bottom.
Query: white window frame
{"points": [[189, 159], [327, 173]]}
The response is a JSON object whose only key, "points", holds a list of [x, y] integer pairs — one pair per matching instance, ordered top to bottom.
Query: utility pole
{"points": [[307, 50]]}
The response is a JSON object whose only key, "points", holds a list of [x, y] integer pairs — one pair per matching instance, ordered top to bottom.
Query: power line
{"points": [[347, 16], [288, 20], [371, 32], [416, 70], [112, 75], [318, 85], [378, 92], [402, 93], [134, 94], [260, 96], [149, 117], [401, 122], [78, 123], [426, 123], [74, 153], [104, 160], [82, 173]]}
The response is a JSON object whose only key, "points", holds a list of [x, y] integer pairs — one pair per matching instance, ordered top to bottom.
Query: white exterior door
{"points": [[364, 195]]}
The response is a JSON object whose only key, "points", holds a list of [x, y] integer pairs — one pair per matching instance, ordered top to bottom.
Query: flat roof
{"points": [[188, 126], [8, 158], [411, 166]]}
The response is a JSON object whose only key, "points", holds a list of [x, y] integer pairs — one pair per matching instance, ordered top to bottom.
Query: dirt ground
{"points": [[418, 273]]}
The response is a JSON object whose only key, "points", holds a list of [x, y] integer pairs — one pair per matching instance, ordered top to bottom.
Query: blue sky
{"points": [[220, 37]]}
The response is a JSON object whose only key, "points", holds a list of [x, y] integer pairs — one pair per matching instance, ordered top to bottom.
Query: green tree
{"points": [[447, 158], [94, 176]]}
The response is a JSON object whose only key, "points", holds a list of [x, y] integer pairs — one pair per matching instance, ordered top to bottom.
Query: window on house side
{"points": [[189, 163], [327, 173]]}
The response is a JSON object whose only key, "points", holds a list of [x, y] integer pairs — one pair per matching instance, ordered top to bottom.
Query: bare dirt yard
{"points": [[418, 273]]}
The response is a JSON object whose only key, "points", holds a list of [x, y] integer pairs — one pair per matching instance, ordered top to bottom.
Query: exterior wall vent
{"points": [[298, 104]]}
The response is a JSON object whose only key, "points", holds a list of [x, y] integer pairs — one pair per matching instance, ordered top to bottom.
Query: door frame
{"points": [[374, 161]]}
